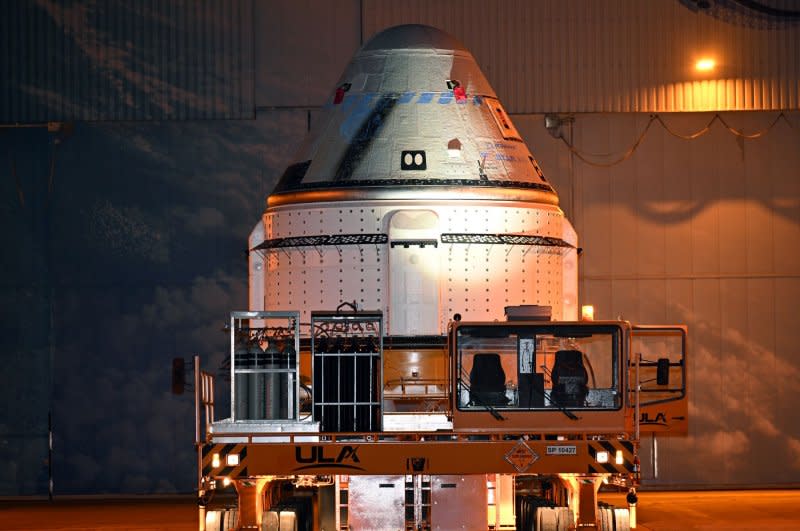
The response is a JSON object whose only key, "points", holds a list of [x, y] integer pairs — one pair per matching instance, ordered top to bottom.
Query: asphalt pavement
{"points": [[762, 510]]}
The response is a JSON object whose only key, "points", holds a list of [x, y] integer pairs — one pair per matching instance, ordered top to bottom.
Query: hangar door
{"points": [[414, 273]]}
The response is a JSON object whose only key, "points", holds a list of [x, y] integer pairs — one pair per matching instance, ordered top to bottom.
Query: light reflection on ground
{"points": [[658, 511]]}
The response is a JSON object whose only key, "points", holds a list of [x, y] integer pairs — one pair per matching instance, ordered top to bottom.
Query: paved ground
{"points": [[763, 510], [96, 514]]}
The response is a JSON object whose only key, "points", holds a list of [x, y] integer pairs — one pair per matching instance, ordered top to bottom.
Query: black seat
{"points": [[570, 379], [487, 381]]}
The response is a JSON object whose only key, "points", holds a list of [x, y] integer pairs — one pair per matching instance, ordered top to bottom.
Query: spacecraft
{"points": [[416, 197], [412, 356]]}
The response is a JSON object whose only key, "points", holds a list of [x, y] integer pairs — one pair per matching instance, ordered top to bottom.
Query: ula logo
{"points": [[660, 420], [314, 457]]}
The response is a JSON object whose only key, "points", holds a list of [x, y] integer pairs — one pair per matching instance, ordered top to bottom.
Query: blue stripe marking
{"points": [[364, 99]]}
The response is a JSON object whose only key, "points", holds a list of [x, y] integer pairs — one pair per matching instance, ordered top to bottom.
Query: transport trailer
{"points": [[413, 357], [529, 420]]}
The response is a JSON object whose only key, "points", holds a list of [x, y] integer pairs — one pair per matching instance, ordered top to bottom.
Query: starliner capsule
{"points": [[417, 197], [412, 356]]}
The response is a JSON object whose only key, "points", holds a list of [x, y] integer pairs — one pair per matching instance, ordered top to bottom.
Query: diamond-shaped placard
{"points": [[521, 457]]}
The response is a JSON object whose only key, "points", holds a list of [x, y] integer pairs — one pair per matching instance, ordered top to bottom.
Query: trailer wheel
{"points": [[606, 515], [564, 518], [221, 519], [546, 519], [622, 520], [270, 521]]}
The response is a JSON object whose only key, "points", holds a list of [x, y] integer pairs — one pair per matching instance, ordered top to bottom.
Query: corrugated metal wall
{"points": [[302, 47], [611, 55], [126, 60], [145, 60], [703, 232]]}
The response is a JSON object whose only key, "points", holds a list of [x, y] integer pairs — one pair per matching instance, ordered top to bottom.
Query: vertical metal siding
{"points": [[611, 55], [126, 60], [701, 232]]}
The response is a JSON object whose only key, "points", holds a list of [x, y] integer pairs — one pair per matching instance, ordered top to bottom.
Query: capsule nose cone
{"points": [[413, 36], [414, 58], [413, 111]]}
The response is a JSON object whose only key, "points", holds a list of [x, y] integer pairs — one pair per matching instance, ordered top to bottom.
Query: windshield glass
{"points": [[538, 367]]}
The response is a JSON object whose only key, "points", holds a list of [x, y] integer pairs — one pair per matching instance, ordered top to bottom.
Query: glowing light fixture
{"points": [[706, 64], [587, 312], [602, 457], [232, 459], [619, 459], [215, 461], [226, 481]]}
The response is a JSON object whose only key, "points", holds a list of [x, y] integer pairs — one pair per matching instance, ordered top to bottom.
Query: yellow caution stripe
{"points": [[625, 448], [217, 454]]}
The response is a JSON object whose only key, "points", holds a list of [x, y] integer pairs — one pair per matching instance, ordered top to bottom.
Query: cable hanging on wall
{"points": [[625, 156], [587, 157]]}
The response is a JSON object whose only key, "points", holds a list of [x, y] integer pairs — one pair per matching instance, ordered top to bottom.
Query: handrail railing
{"points": [[638, 358], [203, 398], [416, 436]]}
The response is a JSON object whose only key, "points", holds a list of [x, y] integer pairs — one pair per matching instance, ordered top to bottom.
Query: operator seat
{"points": [[570, 379], [487, 381]]}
